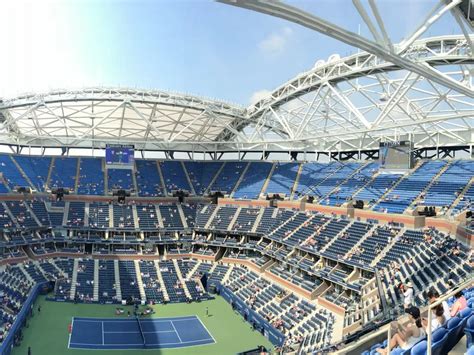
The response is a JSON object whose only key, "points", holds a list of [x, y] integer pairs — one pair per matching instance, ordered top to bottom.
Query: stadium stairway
{"points": [[78, 170], [50, 171], [22, 172], [349, 177], [106, 178], [162, 178], [214, 178], [267, 180], [297, 180], [134, 182], [4, 184], [237, 184], [191, 186], [394, 186], [427, 187], [312, 188], [461, 195], [66, 213], [10, 214], [86, 214], [33, 215], [111, 216], [135, 216], [182, 216], [159, 217], [211, 218], [234, 219], [257, 220], [335, 238], [361, 240], [387, 248], [193, 270], [227, 274], [27, 275], [74, 279], [181, 279], [96, 281], [139, 281], [118, 289], [166, 297]]}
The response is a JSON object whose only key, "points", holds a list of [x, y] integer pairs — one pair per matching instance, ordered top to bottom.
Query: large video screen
{"points": [[119, 154], [396, 155]]}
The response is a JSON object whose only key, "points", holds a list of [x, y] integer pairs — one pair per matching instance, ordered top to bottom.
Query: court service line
{"points": [[130, 332], [176, 332]]}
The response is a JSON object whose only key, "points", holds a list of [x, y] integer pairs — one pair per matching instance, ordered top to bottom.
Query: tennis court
{"points": [[134, 333]]}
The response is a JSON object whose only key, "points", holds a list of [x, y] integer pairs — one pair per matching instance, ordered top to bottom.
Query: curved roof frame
{"points": [[421, 89]]}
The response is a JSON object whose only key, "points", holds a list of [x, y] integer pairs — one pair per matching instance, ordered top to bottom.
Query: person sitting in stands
{"points": [[433, 296], [459, 304], [437, 318], [406, 337]]}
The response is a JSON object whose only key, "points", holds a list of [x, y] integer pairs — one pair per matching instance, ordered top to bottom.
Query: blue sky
{"points": [[199, 47]]}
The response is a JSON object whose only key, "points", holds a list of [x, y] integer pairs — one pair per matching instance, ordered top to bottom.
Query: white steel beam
{"points": [[293, 14]]}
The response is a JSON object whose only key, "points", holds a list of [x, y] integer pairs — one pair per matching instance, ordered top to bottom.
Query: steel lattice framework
{"points": [[420, 88]]}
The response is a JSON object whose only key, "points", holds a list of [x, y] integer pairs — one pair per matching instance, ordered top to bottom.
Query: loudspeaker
{"points": [[23, 190], [60, 192], [121, 194], [180, 194], [215, 195], [310, 199], [359, 204], [204, 281]]}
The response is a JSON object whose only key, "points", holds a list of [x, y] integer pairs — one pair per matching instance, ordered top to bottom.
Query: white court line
{"points": [[134, 321], [207, 330], [155, 332], [70, 334], [103, 335], [180, 341], [152, 344]]}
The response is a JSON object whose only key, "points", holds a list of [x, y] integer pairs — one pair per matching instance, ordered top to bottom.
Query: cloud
{"points": [[276, 42], [259, 95]]}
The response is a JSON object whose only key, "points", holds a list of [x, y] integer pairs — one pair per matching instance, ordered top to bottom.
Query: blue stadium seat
{"points": [[465, 313], [469, 331], [455, 332], [438, 341], [419, 348], [470, 351]]}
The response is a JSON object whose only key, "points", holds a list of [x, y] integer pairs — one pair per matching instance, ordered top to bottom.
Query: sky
{"points": [[196, 47]]}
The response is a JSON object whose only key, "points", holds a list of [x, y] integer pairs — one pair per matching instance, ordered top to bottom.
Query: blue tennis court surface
{"points": [[128, 333]]}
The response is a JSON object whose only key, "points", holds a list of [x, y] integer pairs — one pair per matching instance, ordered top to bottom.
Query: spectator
{"points": [[408, 294], [433, 296], [459, 304], [437, 319], [406, 337]]}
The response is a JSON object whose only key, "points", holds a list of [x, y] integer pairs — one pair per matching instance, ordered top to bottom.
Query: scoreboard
{"points": [[120, 155], [396, 155]]}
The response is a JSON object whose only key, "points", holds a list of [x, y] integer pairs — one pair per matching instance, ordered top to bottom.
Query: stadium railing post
{"points": [[389, 336], [428, 346]]}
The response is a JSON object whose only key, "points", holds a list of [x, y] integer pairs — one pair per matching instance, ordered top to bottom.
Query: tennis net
{"points": [[141, 330]]}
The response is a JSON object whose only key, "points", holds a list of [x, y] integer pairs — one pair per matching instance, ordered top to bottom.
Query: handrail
{"points": [[469, 282], [464, 285]]}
